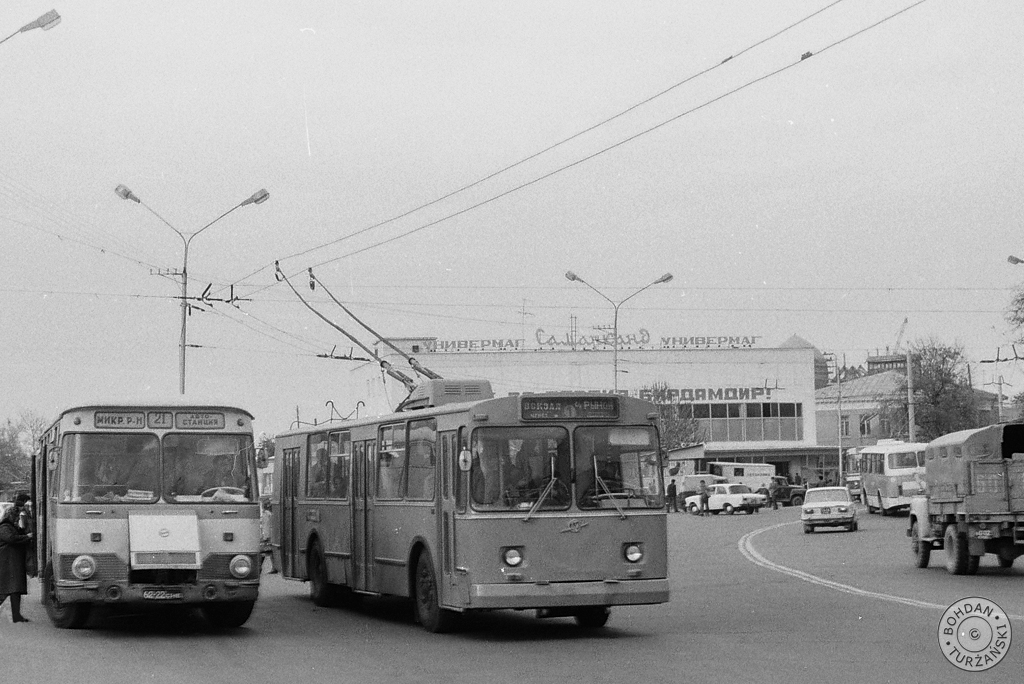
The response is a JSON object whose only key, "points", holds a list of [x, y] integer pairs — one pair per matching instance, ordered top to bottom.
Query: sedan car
{"points": [[727, 498], [828, 507]]}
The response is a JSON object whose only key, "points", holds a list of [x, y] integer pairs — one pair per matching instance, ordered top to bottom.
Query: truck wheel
{"points": [[796, 500], [922, 550], [956, 551], [1005, 562], [972, 565]]}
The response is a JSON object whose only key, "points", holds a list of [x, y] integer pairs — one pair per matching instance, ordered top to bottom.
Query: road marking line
{"points": [[746, 548]]}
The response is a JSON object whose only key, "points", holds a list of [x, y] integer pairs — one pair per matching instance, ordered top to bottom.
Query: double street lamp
{"points": [[45, 22], [124, 193], [615, 322]]}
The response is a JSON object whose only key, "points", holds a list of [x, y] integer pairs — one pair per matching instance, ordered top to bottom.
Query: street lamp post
{"points": [[45, 22], [124, 193], [615, 321]]}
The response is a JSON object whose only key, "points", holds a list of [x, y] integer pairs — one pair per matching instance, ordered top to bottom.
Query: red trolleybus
{"points": [[463, 502], [148, 504]]}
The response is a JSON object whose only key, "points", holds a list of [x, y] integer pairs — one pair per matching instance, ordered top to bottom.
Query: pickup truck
{"points": [[785, 493]]}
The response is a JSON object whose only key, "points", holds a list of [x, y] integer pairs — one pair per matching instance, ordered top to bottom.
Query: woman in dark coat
{"points": [[14, 543]]}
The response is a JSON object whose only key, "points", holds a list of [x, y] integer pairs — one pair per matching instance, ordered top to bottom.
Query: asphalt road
{"points": [[754, 599]]}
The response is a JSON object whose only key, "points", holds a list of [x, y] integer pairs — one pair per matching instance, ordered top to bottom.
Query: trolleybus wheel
{"points": [[922, 550], [956, 551], [319, 590], [429, 612], [62, 615], [227, 615], [593, 617]]}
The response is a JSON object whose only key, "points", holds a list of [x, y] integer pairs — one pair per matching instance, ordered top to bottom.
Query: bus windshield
{"points": [[904, 459], [625, 460], [110, 467], [513, 467], [207, 468]]}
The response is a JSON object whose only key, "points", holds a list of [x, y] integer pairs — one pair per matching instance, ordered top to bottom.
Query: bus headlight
{"points": [[633, 552], [513, 556], [240, 566], [83, 567]]}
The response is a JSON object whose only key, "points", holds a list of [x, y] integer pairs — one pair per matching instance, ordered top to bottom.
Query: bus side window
{"points": [[391, 462]]}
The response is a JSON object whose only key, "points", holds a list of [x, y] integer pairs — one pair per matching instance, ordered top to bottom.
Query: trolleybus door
{"points": [[364, 458], [290, 489], [445, 495]]}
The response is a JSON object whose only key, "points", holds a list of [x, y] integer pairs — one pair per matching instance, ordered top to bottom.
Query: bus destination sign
{"points": [[570, 408], [132, 420], [199, 421]]}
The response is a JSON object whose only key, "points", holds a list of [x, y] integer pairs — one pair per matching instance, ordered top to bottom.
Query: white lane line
{"points": [[746, 547]]}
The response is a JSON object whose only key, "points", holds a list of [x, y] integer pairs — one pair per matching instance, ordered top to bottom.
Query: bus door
{"points": [[364, 459], [447, 469], [289, 490]]}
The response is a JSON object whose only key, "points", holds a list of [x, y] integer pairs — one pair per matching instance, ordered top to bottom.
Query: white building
{"points": [[754, 402]]}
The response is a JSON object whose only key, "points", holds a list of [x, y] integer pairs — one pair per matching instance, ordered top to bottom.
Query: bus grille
{"points": [[163, 558], [216, 566], [108, 567]]}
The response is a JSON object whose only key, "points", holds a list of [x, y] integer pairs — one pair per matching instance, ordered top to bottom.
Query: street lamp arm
{"points": [[45, 22], [258, 197]]}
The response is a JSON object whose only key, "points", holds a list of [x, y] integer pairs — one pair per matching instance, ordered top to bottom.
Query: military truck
{"points": [[786, 494], [974, 499]]}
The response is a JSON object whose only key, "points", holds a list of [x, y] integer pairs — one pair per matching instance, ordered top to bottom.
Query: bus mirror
{"points": [[465, 460]]}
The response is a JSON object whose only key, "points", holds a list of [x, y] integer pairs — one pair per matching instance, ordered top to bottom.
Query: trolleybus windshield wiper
{"points": [[604, 486], [544, 494]]}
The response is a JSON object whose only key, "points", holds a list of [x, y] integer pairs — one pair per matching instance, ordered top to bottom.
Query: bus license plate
{"points": [[162, 594]]}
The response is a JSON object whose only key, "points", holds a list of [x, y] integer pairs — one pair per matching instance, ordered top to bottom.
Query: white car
{"points": [[727, 498], [828, 507]]}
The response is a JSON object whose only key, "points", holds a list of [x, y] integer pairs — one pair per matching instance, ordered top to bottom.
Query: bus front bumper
{"points": [[122, 592], [559, 594]]}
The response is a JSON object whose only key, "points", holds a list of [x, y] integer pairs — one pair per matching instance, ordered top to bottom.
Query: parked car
{"points": [[688, 484], [786, 494], [728, 498], [828, 507]]}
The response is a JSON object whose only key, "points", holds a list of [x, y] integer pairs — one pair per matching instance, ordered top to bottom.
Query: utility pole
{"points": [[911, 427]]}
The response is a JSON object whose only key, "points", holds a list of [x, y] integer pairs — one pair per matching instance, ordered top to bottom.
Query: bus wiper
{"points": [[600, 481], [541, 498]]}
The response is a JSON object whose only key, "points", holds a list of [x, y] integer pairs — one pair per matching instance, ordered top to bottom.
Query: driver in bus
{"points": [[486, 474]]}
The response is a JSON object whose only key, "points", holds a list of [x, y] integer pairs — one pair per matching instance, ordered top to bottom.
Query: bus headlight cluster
{"points": [[633, 552], [512, 556], [240, 566], [83, 567]]}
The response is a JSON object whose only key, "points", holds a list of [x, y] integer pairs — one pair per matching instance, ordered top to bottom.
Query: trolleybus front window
{"points": [[625, 462], [110, 467], [208, 468], [520, 468]]}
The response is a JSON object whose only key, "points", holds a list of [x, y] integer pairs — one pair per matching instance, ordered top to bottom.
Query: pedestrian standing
{"points": [[702, 490], [773, 495], [673, 497], [14, 544]]}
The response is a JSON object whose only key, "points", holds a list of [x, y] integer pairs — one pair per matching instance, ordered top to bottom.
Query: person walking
{"points": [[773, 495], [673, 497], [14, 543]]}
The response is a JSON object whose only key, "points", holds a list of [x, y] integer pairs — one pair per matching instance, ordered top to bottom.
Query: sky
{"points": [[441, 165]]}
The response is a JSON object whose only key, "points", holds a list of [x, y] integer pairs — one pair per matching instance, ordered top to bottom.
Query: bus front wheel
{"points": [[429, 612], [62, 615], [228, 615], [593, 618]]}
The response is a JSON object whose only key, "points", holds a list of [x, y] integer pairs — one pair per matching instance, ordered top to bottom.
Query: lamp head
{"points": [[124, 193], [258, 197], [1014, 260], [569, 275], [663, 279]]}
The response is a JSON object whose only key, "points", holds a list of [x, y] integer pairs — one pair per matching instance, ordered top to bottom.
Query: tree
{"points": [[943, 396], [676, 423], [15, 461]]}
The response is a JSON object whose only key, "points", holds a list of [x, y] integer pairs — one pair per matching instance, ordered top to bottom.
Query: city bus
{"points": [[891, 473], [852, 477], [465, 502], [153, 504]]}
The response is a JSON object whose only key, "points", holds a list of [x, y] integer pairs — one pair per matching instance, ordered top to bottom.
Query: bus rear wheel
{"points": [[429, 612], [62, 615], [228, 615], [592, 618]]}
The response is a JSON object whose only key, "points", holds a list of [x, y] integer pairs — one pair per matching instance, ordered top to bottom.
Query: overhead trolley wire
{"points": [[541, 152]]}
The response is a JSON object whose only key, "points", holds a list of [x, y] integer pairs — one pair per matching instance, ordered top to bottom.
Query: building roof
{"points": [[870, 387]]}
